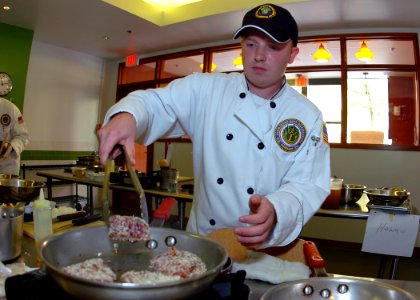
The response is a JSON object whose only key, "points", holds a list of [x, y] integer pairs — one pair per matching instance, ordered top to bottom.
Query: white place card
{"points": [[390, 233]]}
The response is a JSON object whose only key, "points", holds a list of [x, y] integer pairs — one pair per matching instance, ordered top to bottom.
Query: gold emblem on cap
{"points": [[265, 12]]}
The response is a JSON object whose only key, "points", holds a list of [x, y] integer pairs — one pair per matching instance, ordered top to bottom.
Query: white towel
{"points": [[271, 269]]}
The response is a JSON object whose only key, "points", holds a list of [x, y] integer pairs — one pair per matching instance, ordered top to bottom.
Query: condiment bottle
{"points": [[42, 219]]}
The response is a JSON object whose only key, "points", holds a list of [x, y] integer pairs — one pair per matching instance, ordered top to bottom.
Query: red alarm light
{"points": [[131, 60]]}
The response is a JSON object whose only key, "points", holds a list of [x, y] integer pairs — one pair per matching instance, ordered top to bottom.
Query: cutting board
{"points": [[28, 227], [292, 252]]}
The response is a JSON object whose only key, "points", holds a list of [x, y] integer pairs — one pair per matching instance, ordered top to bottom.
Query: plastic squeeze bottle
{"points": [[42, 218]]}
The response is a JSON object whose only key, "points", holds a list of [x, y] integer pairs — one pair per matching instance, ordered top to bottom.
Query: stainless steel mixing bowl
{"points": [[19, 190], [387, 196]]}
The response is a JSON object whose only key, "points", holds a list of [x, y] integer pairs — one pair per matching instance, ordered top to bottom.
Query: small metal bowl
{"points": [[19, 190], [351, 193], [387, 196]]}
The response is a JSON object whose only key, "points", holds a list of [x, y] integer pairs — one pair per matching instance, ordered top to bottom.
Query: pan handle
{"points": [[165, 208], [312, 255]]}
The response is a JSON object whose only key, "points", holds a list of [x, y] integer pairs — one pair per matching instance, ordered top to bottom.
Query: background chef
{"points": [[14, 137], [260, 149]]}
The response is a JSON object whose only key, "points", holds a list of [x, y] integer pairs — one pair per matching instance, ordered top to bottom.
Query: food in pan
{"points": [[128, 228], [177, 262], [169, 266], [94, 269], [147, 277]]}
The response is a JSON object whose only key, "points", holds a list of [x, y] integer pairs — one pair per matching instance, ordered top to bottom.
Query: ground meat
{"points": [[128, 228], [178, 262], [93, 269], [147, 277]]}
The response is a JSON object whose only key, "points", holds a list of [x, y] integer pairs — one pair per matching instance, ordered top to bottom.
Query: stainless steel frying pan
{"points": [[78, 245], [336, 288]]}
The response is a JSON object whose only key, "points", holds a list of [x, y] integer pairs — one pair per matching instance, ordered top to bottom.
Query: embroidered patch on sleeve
{"points": [[324, 133], [290, 134]]}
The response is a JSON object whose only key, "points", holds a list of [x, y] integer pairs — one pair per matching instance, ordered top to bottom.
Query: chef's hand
{"points": [[121, 129], [262, 219]]}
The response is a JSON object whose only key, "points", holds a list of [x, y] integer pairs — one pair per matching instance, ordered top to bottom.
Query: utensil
{"points": [[137, 185], [19, 190], [351, 193], [104, 194], [387, 196], [163, 212], [71, 216], [86, 220], [11, 232], [76, 245], [314, 259], [337, 289]]}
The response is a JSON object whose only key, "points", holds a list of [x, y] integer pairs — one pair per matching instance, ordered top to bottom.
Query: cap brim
{"points": [[240, 30]]}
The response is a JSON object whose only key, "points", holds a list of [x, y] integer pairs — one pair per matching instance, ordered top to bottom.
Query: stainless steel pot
{"points": [[351, 193], [11, 231], [77, 245], [336, 288]]}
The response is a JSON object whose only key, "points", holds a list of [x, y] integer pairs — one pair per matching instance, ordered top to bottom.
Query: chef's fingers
{"points": [[121, 129], [7, 151], [261, 221], [253, 236]]}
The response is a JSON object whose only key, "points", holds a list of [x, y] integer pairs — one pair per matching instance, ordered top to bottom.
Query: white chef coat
{"points": [[13, 130], [242, 145]]}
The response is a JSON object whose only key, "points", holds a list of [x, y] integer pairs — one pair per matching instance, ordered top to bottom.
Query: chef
{"points": [[14, 137], [260, 149]]}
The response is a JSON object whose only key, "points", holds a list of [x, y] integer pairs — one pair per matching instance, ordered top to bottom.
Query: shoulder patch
{"points": [[5, 120], [324, 133], [290, 134]]}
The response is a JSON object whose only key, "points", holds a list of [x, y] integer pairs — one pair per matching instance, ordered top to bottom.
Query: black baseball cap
{"points": [[273, 20]]}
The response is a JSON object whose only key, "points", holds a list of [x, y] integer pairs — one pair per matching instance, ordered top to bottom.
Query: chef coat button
{"points": [[242, 95], [272, 105], [229, 136], [261, 146], [219, 180], [250, 191], [212, 222]]}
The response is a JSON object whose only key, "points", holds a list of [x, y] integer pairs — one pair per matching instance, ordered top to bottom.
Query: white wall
{"points": [[62, 98]]}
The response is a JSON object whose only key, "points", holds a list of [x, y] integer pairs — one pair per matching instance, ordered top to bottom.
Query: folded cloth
{"points": [[16, 269], [271, 269]]}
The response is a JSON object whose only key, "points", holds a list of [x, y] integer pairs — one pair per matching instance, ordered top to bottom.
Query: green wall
{"points": [[15, 50]]}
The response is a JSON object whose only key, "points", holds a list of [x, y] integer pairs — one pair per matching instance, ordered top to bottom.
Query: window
{"points": [[181, 66], [369, 103]]}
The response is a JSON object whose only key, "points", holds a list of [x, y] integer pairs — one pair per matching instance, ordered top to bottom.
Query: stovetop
{"points": [[37, 285]]}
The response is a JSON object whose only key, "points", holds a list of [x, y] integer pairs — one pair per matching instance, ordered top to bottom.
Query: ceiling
{"points": [[81, 25]]}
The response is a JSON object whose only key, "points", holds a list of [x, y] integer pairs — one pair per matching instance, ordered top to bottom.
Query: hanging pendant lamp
{"points": [[364, 54], [322, 55], [237, 63], [213, 67]]}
